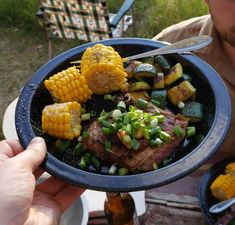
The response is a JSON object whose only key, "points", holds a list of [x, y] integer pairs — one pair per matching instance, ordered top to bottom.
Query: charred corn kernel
{"points": [[103, 69], [68, 85], [62, 120], [230, 169], [223, 187]]}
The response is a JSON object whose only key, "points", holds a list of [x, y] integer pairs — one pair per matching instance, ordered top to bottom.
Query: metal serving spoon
{"points": [[182, 46], [221, 206]]}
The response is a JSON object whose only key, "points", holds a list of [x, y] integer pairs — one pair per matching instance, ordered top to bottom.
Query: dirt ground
{"points": [[21, 54]]}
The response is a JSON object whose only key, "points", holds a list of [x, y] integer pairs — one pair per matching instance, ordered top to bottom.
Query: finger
{"points": [[10, 148], [33, 156], [51, 186], [67, 195]]}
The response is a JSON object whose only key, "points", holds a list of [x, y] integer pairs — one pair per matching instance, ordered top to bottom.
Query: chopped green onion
{"points": [[108, 97], [141, 103], [121, 105], [132, 108], [83, 110], [102, 113], [116, 113], [85, 116], [147, 118], [160, 118], [100, 119], [126, 119], [154, 122], [104, 123], [136, 125], [128, 129], [106, 131], [155, 131], [190, 131], [179, 132], [85, 134], [146, 134], [165, 136], [79, 139], [127, 139], [158, 142], [155, 143], [135, 144], [65, 145], [108, 145], [78, 148], [87, 158], [96, 162], [166, 162], [82, 163], [155, 166], [112, 169], [122, 171]]}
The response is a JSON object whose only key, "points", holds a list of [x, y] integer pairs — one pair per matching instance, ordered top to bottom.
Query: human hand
{"points": [[23, 202]]}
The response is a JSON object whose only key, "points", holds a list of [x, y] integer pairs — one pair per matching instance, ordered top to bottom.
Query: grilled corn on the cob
{"points": [[103, 69], [68, 85], [62, 120], [230, 169], [223, 187]]}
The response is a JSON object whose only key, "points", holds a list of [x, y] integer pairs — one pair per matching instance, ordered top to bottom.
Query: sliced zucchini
{"points": [[149, 60], [162, 62], [130, 67], [145, 70], [175, 73], [158, 81], [139, 86], [181, 92], [139, 94], [159, 96], [193, 111]]}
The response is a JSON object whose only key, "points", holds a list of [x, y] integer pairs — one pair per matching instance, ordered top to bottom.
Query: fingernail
{"points": [[37, 140]]}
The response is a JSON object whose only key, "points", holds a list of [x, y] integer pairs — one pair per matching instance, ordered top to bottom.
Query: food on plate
{"points": [[103, 69], [68, 85], [132, 116], [62, 120], [137, 139], [223, 187]]}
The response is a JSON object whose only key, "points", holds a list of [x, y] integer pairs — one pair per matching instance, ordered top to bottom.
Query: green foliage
{"points": [[19, 12], [150, 16]]}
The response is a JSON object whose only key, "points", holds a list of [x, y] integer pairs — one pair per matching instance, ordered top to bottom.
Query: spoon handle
{"points": [[185, 45], [219, 207]]}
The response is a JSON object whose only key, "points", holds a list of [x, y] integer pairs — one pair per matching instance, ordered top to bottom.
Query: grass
{"points": [[150, 16]]}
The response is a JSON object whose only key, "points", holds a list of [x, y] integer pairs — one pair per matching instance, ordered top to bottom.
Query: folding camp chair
{"points": [[85, 20]]}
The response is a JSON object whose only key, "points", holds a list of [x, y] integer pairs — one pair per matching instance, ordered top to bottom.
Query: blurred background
{"points": [[24, 44]]}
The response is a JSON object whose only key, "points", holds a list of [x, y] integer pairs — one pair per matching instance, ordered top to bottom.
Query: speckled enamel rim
{"points": [[142, 181]]}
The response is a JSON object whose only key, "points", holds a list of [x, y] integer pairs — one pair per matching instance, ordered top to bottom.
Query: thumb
{"points": [[33, 156]]}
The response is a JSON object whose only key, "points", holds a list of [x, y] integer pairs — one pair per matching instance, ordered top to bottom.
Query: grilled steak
{"points": [[143, 158]]}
